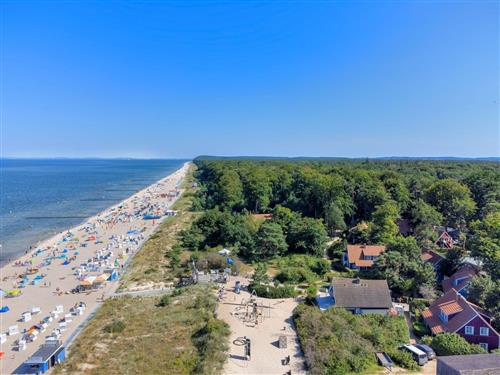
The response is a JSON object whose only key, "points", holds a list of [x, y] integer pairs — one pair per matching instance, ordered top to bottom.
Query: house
{"points": [[262, 216], [447, 237], [361, 257], [435, 260], [460, 279], [361, 296], [453, 313], [46, 357], [473, 364]]}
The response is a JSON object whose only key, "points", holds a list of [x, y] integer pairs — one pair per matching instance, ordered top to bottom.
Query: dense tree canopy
{"points": [[365, 201]]}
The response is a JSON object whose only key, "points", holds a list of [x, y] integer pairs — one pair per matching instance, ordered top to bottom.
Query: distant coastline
{"points": [[361, 158]]}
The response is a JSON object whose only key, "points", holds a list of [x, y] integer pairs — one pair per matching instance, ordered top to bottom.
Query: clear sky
{"points": [[282, 78]]}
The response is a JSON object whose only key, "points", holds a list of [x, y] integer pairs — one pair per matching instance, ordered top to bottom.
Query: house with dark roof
{"points": [[361, 257], [433, 258], [460, 279], [361, 296], [453, 313], [47, 356], [473, 364]]}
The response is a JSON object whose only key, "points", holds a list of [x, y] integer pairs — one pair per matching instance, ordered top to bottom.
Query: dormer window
{"points": [[459, 280], [443, 316]]}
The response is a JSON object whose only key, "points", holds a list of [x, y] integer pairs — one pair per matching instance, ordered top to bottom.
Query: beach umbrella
{"points": [[4, 309]]}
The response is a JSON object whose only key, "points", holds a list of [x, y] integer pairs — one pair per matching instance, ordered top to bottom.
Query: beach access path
{"points": [[107, 234]]}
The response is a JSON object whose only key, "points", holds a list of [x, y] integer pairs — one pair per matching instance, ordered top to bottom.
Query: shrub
{"points": [[296, 269], [295, 275], [268, 291], [164, 301], [116, 326], [420, 328], [338, 342], [211, 343], [453, 344], [403, 359]]}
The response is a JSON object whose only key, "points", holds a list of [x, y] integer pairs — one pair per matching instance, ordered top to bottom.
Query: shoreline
{"points": [[109, 238], [43, 242]]}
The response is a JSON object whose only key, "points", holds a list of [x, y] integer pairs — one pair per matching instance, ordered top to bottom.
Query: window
{"points": [[443, 316], [469, 330], [484, 331], [483, 345]]}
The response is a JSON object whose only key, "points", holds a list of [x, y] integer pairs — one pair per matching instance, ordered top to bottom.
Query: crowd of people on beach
{"points": [[84, 259]]}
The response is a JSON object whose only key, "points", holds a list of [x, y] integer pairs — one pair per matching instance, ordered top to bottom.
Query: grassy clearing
{"points": [[150, 266], [151, 335]]}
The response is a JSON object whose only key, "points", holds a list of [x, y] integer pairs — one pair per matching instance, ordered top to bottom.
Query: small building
{"points": [[262, 216], [447, 237], [361, 257], [434, 259], [460, 279], [361, 296], [453, 313], [46, 357], [473, 364]]}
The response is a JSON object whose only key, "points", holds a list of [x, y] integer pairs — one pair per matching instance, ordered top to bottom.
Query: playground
{"points": [[263, 339]]}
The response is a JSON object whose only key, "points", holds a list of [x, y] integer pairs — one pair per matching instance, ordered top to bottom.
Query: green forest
{"points": [[316, 207]]}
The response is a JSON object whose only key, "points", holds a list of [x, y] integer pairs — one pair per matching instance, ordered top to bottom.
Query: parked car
{"points": [[427, 350], [418, 355]]}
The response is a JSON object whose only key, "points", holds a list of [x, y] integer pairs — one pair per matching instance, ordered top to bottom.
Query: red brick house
{"points": [[361, 257], [453, 313]]}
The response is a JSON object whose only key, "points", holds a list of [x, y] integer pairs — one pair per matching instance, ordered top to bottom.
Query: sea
{"points": [[41, 197]]}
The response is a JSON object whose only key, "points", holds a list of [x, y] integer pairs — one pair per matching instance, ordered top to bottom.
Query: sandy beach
{"points": [[38, 288]]}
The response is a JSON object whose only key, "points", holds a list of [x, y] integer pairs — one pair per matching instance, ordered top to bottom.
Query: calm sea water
{"points": [[41, 197]]}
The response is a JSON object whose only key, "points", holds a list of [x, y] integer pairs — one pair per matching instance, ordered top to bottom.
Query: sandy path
{"points": [[115, 221]]}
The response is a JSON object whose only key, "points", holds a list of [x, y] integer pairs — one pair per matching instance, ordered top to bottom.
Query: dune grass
{"points": [[150, 266], [152, 335]]}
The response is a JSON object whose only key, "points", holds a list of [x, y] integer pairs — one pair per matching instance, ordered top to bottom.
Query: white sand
{"points": [[59, 279], [266, 356]]}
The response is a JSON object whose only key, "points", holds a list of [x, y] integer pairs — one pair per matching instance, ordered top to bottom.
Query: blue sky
{"points": [[283, 78]]}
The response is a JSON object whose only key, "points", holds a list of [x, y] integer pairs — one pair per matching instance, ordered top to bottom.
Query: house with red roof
{"points": [[447, 237], [361, 257], [460, 279], [453, 313]]}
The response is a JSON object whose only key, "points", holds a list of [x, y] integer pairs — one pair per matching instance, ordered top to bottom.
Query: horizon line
{"points": [[396, 157]]}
